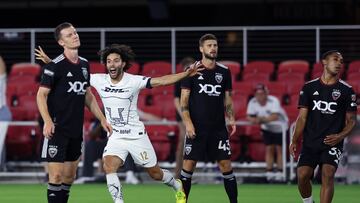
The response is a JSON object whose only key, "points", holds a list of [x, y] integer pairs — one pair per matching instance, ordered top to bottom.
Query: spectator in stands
{"points": [[232, 47], [184, 63], [64, 91], [204, 99], [265, 109], [5, 114]]}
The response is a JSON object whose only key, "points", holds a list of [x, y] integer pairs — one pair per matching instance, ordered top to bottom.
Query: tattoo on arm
{"points": [[184, 108], [229, 110]]}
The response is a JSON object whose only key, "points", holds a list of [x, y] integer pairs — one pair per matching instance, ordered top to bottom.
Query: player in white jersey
{"points": [[119, 93]]}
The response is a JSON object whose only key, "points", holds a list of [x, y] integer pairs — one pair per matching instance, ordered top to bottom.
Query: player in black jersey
{"points": [[64, 91], [204, 99], [327, 115]]}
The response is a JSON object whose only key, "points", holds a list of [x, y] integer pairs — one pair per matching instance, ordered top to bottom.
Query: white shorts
{"points": [[140, 149]]}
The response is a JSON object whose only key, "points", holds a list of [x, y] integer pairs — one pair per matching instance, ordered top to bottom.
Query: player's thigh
{"points": [[218, 146], [117, 148], [54, 149], [74, 149], [195, 149], [142, 151], [331, 156]]}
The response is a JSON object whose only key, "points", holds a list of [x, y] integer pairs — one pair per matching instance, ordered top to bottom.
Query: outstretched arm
{"points": [[41, 55], [2, 66], [173, 78]]}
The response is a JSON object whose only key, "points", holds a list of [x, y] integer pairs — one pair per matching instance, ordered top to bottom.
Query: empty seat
{"points": [[293, 66], [354, 66], [97, 67], [234, 67], [259, 67], [156, 68], [18, 69], [134, 69], [353, 76], [256, 77], [290, 77], [22, 80], [244, 88], [277, 88], [30, 89], [167, 90], [29, 103], [292, 112], [253, 132], [159, 137], [235, 147]]}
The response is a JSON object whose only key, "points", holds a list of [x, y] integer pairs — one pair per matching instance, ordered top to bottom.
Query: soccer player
{"points": [[64, 91], [119, 93], [204, 99], [327, 115]]}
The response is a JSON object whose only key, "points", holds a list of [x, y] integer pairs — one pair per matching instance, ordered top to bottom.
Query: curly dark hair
{"points": [[126, 53]]}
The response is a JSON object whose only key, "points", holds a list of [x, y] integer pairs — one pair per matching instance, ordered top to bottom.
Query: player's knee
{"points": [[225, 166], [108, 168], [155, 174], [304, 175], [55, 178]]}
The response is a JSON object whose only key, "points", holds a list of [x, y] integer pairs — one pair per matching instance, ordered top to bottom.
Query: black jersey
{"points": [[67, 83], [207, 93], [327, 106]]}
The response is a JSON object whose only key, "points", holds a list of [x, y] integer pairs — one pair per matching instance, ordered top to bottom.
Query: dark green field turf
{"points": [[158, 193]]}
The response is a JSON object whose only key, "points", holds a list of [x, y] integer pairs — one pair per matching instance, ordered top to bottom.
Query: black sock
{"points": [[185, 178], [230, 186], [65, 189], [54, 194]]}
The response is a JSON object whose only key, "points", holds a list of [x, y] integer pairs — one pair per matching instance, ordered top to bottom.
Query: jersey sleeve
{"points": [[48, 75], [142, 81], [228, 82], [186, 83], [304, 97], [351, 101], [250, 110]]}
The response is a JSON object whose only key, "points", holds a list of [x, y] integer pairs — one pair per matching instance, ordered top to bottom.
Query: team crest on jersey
{"points": [[85, 73], [218, 77], [336, 94], [353, 97], [188, 149], [52, 151]]}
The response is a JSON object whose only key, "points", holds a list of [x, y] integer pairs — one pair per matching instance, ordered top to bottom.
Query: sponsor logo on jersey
{"points": [[48, 72], [85, 72], [218, 77], [77, 87], [209, 89], [114, 90], [335, 94], [353, 97], [324, 106], [52, 150]]}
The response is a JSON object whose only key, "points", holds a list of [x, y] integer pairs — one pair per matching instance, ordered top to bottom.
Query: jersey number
{"points": [[224, 146], [335, 152]]}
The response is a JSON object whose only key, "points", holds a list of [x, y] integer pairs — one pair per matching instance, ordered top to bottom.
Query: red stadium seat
{"points": [[293, 66], [354, 66], [97, 67], [234, 67], [259, 67], [156, 68], [18, 69], [134, 69], [353, 76], [256, 77], [290, 77], [22, 80], [245, 88], [294, 88], [30, 89], [277, 89], [167, 90], [29, 103], [240, 105], [292, 112], [19, 113], [254, 132], [159, 137], [22, 142], [235, 146], [257, 151]]}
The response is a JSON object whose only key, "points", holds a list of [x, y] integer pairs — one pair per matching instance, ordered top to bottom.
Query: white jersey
{"points": [[2, 90], [120, 103], [272, 106]]}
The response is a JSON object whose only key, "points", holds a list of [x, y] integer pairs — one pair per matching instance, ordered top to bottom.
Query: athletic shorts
{"points": [[271, 138], [208, 145], [61, 148], [141, 150], [312, 158]]}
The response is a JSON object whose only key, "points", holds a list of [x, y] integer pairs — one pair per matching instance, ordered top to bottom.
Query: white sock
{"points": [[169, 180], [114, 187], [308, 199]]}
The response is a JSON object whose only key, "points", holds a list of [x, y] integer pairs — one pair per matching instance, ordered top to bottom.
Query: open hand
{"points": [[41, 55]]}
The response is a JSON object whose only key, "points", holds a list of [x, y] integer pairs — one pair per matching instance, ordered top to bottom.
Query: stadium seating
{"points": [[293, 66], [354, 66], [97, 67], [234, 67], [259, 67], [156, 68], [19, 69], [134, 69], [318, 69], [353, 76], [256, 77], [290, 77], [166, 90], [292, 112], [253, 132], [159, 137], [235, 146], [257, 151]]}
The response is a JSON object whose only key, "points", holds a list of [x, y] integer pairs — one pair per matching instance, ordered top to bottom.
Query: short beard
{"points": [[208, 56]]}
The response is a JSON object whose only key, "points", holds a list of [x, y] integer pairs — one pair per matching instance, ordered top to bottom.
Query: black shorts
{"points": [[271, 138], [208, 145], [61, 148], [312, 158]]}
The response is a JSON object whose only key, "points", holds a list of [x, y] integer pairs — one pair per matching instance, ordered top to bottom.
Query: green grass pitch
{"points": [[158, 193]]}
